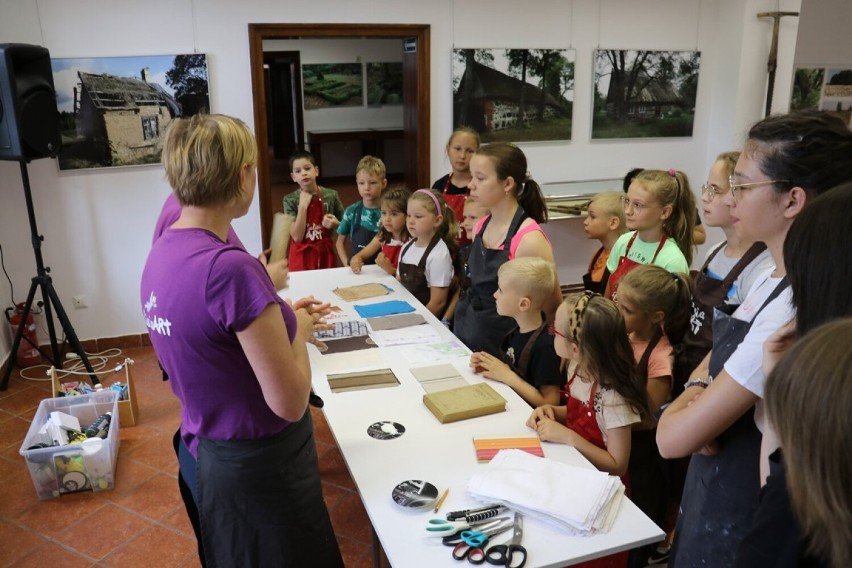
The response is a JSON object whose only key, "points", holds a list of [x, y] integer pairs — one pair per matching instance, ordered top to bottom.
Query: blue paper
{"points": [[384, 309]]}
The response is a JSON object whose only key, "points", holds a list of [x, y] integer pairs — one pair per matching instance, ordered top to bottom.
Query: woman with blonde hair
{"points": [[236, 357]]}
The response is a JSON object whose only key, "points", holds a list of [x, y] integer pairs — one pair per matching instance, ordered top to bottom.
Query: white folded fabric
{"points": [[576, 499]]}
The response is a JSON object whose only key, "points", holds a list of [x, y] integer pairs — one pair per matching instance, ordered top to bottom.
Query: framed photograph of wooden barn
{"points": [[644, 94], [514, 95], [114, 110]]}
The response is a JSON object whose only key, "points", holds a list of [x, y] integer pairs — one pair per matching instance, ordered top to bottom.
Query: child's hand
{"points": [[305, 198], [329, 221], [356, 263], [385, 264], [278, 271], [491, 367], [544, 412], [553, 431]]}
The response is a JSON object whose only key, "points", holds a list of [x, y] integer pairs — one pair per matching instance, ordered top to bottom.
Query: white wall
{"points": [[97, 224]]}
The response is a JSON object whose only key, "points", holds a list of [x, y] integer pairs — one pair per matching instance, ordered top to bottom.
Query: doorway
{"points": [[416, 87]]}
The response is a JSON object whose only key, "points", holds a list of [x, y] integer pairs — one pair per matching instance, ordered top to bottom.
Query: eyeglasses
{"points": [[735, 187], [711, 190], [636, 205], [551, 330]]}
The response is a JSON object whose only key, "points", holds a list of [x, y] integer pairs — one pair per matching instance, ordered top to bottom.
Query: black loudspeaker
{"points": [[29, 119]]}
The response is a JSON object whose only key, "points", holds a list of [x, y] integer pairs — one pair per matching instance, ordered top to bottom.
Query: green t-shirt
{"points": [[330, 198], [370, 217], [670, 256]]}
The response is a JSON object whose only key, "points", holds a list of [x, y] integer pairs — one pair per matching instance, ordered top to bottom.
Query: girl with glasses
{"points": [[788, 160], [604, 396]]}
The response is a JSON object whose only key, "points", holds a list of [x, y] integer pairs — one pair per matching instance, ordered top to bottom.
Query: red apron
{"points": [[455, 201], [316, 250], [391, 252], [625, 265], [580, 417]]}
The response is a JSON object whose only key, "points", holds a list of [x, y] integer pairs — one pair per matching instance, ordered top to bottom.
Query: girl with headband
{"points": [[425, 263]]}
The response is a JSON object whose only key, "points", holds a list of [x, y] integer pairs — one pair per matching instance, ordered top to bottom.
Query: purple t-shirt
{"points": [[171, 212], [196, 293]]}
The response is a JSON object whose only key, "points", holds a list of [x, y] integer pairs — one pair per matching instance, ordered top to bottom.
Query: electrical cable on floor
{"points": [[3, 265], [98, 361]]}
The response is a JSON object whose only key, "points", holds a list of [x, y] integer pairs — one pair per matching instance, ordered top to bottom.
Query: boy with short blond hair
{"points": [[360, 221], [605, 222], [528, 362]]}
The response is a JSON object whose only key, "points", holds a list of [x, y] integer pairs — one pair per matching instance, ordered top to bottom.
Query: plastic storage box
{"points": [[89, 466]]}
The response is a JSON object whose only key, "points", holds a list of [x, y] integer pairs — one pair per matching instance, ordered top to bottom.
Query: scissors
{"points": [[443, 527], [477, 536], [469, 543], [505, 554]]}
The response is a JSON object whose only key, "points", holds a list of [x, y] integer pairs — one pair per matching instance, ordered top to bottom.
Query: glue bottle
{"points": [[100, 427]]}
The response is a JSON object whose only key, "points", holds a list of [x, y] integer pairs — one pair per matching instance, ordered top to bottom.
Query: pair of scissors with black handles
{"points": [[512, 554]]}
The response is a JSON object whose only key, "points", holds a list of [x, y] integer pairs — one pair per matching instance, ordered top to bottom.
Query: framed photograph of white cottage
{"points": [[644, 94], [514, 95], [114, 110]]}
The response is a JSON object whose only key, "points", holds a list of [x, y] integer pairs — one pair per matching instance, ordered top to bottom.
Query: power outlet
{"points": [[80, 302]]}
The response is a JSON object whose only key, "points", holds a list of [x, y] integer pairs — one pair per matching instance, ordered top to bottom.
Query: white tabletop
{"points": [[442, 454]]}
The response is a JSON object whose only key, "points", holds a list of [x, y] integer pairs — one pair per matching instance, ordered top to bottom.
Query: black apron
{"points": [[360, 237], [414, 277], [591, 285], [707, 293], [476, 321], [521, 362], [647, 469], [721, 492], [261, 501]]}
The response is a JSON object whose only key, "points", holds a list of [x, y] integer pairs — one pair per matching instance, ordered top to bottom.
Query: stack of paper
{"points": [[416, 335], [576, 499]]}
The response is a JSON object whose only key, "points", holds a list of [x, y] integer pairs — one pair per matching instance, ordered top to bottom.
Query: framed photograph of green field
{"points": [[329, 85], [823, 88], [644, 94], [514, 95]]}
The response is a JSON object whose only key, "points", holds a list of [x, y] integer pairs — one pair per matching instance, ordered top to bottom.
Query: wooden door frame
{"points": [[420, 136]]}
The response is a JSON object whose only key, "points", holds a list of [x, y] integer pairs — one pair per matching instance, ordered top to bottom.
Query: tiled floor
{"points": [[141, 522]]}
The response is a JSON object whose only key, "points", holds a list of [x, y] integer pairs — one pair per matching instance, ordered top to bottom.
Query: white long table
{"points": [[442, 454]]}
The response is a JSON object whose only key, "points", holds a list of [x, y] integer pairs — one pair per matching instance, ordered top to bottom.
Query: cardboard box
{"points": [[129, 408], [89, 466]]}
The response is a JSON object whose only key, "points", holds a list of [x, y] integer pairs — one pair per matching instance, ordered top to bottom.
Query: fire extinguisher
{"points": [[27, 355]]}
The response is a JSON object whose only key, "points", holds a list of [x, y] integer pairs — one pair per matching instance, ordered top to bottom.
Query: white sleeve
{"points": [[439, 267], [745, 365], [615, 412]]}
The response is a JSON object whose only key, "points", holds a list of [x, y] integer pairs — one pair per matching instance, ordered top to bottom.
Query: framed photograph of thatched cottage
{"points": [[384, 83], [328, 85], [644, 94], [514, 95], [114, 110]]}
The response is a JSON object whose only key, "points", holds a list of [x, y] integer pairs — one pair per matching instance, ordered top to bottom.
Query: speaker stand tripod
{"points": [[42, 281]]}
